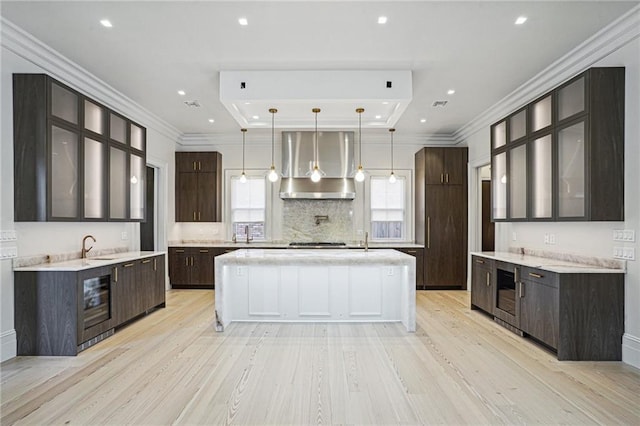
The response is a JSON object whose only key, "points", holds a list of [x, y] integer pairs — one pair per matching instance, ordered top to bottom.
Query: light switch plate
{"points": [[8, 235], [627, 235], [8, 252]]}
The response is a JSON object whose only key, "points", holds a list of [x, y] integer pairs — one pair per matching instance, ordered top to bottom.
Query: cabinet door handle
{"points": [[194, 165], [199, 165], [441, 177], [447, 177], [194, 216], [199, 216], [428, 231], [179, 251], [204, 251], [411, 251], [191, 260], [146, 261], [186, 261], [479, 261], [155, 264], [127, 265], [115, 274], [533, 274], [516, 275], [488, 279], [521, 289]]}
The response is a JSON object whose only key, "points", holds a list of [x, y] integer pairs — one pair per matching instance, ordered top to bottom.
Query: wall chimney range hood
{"points": [[335, 158]]}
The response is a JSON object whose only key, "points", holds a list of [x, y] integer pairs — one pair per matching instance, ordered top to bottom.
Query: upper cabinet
{"points": [[562, 156], [74, 159], [445, 166], [198, 187]]}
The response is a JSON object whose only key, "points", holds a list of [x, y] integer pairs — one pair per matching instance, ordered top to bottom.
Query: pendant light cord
{"points": [[273, 114], [392, 130], [243, 133], [315, 141]]}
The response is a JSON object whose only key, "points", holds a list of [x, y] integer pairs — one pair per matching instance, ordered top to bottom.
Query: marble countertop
{"points": [[282, 244], [314, 257], [90, 262], [551, 264]]}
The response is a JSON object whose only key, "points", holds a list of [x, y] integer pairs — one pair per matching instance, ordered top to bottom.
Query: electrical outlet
{"points": [[124, 235], [514, 236], [546, 238], [552, 238], [240, 271], [390, 271]]}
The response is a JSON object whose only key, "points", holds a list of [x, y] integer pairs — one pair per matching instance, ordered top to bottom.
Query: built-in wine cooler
{"points": [[97, 300]]}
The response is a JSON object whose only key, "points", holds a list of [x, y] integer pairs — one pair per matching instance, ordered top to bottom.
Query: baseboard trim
{"points": [[9, 344], [631, 350]]}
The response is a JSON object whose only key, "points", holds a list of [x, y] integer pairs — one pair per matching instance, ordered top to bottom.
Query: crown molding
{"points": [[606, 41], [23, 44]]}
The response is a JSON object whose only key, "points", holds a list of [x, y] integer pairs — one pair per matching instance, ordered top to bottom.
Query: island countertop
{"points": [[283, 245], [314, 256], [90, 262], [549, 264]]}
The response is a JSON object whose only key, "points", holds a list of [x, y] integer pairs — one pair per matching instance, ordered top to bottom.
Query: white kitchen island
{"points": [[319, 285]]}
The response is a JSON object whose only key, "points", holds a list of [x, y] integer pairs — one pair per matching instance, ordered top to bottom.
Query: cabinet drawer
{"points": [[482, 262], [539, 276]]}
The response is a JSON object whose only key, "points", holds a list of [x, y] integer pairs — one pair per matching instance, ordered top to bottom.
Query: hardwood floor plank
{"points": [[460, 367]]}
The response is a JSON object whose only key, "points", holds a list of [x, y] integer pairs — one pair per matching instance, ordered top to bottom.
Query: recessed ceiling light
{"points": [[382, 19], [521, 20], [243, 21], [106, 23], [181, 92], [450, 92], [247, 103], [385, 103], [256, 117], [378, 117], [211, 120], [423, 120]]}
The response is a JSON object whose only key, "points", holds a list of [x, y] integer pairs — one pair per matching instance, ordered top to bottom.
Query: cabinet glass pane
{"points": [[571, 99], [64, 104], [541, 114], [93, 117], [518, 126], [118, 129], [499, 135], [137, 137], [64, 173], [541, 177], [571, 179], [518, 182], [137, 183], [94, 184], [117, 184], [499, 184]]}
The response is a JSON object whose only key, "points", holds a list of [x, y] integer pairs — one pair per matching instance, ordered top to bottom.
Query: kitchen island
{"points": [[315, 286]]}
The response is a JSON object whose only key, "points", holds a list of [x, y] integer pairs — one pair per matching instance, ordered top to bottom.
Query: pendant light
{"points": [[360, 172], [316, 174], [273, 175], [243, 177], [392, 177]]}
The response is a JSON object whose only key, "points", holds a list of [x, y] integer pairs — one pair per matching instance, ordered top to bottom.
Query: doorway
{"points": [[487, 226], [148, 227]]}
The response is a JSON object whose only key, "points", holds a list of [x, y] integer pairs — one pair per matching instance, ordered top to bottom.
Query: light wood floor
{"points": [[458, 368]]}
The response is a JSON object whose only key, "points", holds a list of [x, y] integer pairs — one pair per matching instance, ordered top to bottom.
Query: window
{"points": [[248, 201], [387, 208]]}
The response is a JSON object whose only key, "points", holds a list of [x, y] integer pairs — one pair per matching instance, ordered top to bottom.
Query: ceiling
{"points": [[155, 49]]}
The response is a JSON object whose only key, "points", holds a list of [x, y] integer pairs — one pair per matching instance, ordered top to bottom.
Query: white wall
{"points": [[55, 237], [592, 238]]}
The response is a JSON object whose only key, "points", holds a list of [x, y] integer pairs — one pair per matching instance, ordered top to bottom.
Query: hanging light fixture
{"points": [[360, 172], [316, 174], [273, 175], [392, 176], [243, 177]]}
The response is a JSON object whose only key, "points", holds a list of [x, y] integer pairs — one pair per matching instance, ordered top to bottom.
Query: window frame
{"points": [[232, 174], [407, 223]]}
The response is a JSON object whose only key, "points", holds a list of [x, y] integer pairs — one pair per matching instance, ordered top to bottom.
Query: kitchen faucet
{"points": [[246, 232], [84, 242]]}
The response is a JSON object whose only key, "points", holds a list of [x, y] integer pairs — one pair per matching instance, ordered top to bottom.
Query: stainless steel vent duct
{"points": [[335, 159]]}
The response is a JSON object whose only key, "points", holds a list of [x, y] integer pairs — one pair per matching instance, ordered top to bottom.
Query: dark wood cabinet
{"points": [[561, 157], [69, 164], [198, 187], [441, 215], [191, 267], [482, 284], [65, 312], [580, 316]]}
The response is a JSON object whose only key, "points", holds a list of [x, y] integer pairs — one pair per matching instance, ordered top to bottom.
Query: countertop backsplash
{"points": [[311, 220]]}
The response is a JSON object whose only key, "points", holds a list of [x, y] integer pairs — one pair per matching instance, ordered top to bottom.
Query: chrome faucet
{"points": [[246, 232], [366, 241], [84, 243]]}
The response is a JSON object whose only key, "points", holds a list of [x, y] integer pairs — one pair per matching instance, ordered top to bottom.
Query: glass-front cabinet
{"points": [[561, 157], [74, 159]]}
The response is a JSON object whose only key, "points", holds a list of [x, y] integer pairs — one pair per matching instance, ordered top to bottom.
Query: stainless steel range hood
{"points": [[335, 159]]}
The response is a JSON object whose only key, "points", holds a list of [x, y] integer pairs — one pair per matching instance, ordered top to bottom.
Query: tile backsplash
{"points": [[304, 220]]}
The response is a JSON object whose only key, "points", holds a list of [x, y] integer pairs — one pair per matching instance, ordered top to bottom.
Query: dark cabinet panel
{"points": [[445, 166], [198, 186], [191, 267], [482, 284], [126, 293], [539, 311]]}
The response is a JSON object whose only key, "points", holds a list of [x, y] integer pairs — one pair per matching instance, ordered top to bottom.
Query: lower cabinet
{"points": [[191, 267], [482, 284], [65, 312], [580, 316]]}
